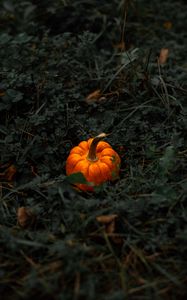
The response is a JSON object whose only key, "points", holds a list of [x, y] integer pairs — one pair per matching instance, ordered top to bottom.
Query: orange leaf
{"points": [[167, 25], [120, 46], [164, 53], [94, 96], [9, 172], [25, 217], [106, 219], [110, 227]]}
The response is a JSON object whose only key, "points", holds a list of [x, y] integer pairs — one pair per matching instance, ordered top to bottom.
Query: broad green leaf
{"points": [[77, 178]]}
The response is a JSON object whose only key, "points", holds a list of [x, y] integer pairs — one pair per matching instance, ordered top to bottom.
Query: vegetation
{"points": [[70, 70]]}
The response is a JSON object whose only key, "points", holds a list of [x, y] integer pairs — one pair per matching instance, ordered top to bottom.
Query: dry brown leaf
{"points": [[167, 25], [120, 46], [164, 53], [2, 94], [94, 96], [34, 170], [9, 172], [25, 216], [105, 219], [110, 227], [111, 232]]}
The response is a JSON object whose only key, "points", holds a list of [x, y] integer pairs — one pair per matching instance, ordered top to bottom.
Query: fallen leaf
{"points": [[167, 25], [120, 46], [164, 53], [2, 94], [94, 96], [34, 170], [9, 172], [25, 216], [105, 219], [110, 227]]}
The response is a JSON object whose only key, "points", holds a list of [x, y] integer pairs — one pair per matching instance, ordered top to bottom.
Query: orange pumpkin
{"points": [[96, 160]]}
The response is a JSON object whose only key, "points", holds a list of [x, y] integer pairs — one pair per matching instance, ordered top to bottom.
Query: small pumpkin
{"points": [[96, 160]]}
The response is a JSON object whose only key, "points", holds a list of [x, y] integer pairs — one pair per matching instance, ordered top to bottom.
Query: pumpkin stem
{"points": [[92, 156]]}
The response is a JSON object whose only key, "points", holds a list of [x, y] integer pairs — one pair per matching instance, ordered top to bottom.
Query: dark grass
{"points": [[52, 55]]}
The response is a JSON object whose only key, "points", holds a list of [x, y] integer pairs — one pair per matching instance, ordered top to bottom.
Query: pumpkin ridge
{"points": [[84, 148], [108, 148], [101, 150], [106, 156], [77, 162], [105, 164], [89, 169], [88, 172], [96, 173], [103, 173], [100, 175]]}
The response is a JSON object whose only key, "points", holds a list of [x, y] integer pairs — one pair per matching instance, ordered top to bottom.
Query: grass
{"points": [[127, 240]]}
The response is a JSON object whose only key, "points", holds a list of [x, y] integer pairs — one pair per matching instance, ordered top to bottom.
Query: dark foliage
{"points": [[53, 54]]}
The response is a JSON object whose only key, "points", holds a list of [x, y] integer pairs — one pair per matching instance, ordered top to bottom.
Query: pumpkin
{"points": [[96, 160]]}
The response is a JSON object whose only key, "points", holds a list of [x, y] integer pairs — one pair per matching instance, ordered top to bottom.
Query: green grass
{"points": [[52, 56]]}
